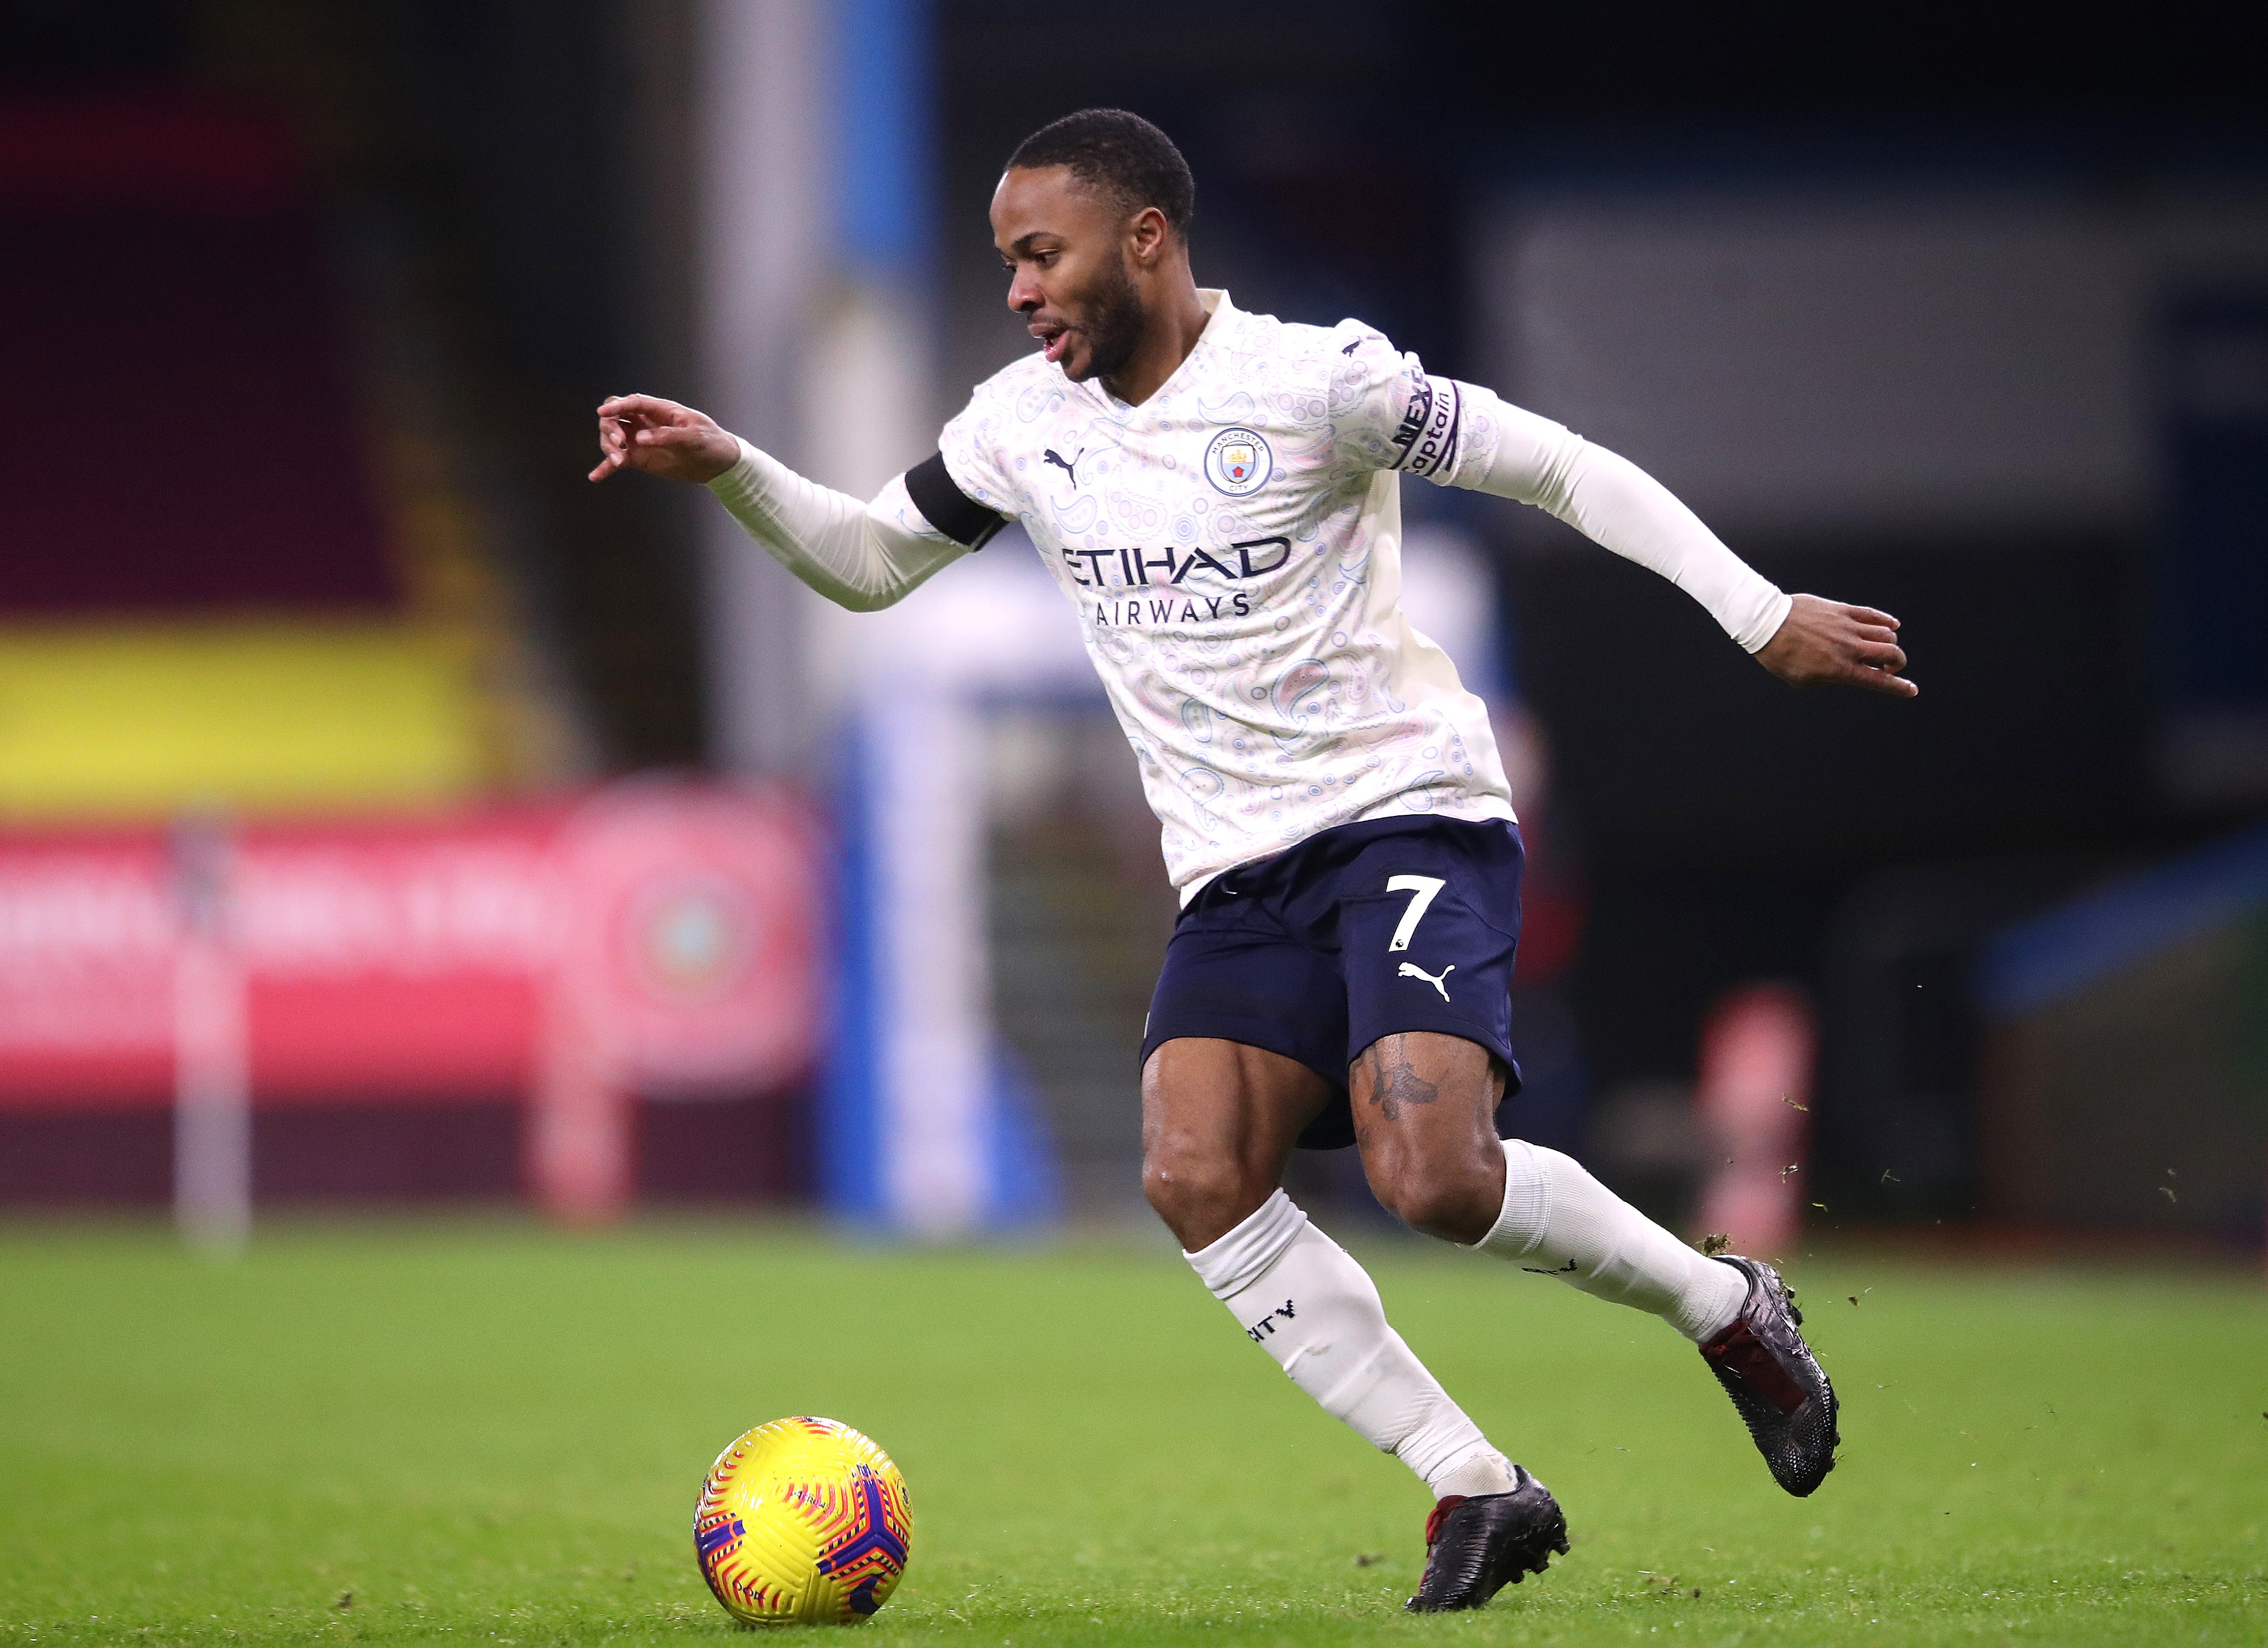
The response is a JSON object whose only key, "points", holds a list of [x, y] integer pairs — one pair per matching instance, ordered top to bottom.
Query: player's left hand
{"points": [[1826, 643]]}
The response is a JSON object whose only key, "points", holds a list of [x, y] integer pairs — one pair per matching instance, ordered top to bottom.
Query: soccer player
{"points": [[1218, 495]]}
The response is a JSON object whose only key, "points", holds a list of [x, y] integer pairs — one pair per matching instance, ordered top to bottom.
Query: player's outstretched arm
{"points": [[859, 555], [1802, 639], [1826, 643]]}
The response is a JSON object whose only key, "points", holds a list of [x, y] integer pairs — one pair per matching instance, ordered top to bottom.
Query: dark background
{"points": [[1724, 827]]}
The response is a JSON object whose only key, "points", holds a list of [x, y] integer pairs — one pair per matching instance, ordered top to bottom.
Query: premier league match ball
{"points": [[802, 1521]]}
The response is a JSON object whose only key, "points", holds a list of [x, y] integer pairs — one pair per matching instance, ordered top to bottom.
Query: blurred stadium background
{"points": [[500, 838]]}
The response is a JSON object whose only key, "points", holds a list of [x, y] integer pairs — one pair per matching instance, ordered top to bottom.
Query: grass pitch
{"points": [[472, 1433]]}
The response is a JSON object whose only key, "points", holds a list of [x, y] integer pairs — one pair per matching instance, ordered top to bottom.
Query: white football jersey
{"points": [[1233, 548]]}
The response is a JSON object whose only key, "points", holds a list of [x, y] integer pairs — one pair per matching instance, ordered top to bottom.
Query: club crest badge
{"points": [[1237, 462]]}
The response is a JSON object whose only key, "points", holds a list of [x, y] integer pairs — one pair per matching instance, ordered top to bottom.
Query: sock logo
{"points": [[1411, 969], [1565, 1270], [1260, 1330]]}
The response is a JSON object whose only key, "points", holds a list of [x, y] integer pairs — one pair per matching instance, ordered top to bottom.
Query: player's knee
{"points": [[1182, 1187], [1200, 1199], [1452, 1203]]}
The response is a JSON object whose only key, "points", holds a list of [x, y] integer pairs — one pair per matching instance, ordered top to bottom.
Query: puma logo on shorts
{"points": [[1410, 970]]}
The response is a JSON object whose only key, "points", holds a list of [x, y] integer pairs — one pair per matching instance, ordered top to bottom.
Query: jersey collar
{"points": [[1214, 300]]}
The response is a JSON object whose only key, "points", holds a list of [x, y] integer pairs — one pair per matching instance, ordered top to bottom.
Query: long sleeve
{"points": [[1618, 505], [864, 556]]}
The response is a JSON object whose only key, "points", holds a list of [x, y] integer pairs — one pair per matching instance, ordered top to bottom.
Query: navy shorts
{"points": [[1361, 932]]}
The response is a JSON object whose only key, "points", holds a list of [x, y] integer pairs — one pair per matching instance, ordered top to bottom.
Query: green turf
{"points": [[490, 1433]]}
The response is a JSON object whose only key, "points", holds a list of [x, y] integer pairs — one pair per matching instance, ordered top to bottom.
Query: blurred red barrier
{"points": [[659, 938], [1757, 1051]]}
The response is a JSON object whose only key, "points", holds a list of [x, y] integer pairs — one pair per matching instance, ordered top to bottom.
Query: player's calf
{"points": [[1556, 1220], [1559, 1221], [1302, 1297]]}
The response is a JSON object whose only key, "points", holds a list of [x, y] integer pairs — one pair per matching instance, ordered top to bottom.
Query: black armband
{"points": [[946, 507]]}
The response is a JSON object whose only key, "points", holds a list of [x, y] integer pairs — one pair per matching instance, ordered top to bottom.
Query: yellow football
{"points": [[802, 1521]]}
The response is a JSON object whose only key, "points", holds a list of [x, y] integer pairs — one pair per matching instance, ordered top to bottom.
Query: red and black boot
{"points": [[1774, 1382], [1476, 1546]]}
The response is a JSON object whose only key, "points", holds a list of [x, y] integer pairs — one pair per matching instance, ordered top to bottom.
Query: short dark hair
{"points": [[1119, 155]]}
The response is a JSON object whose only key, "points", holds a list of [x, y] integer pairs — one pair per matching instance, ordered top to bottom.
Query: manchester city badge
{"points": [[1237, 462]]}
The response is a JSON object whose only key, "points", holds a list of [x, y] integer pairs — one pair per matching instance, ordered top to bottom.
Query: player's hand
{"points": [[663, 438], [1825, 643]]}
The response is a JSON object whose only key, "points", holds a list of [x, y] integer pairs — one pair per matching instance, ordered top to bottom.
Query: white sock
{"points": [[1559, 1221], [1303, 1298]]}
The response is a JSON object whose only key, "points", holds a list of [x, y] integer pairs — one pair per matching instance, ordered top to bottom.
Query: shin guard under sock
{"points": [[1558, 1220], [1302, 1297]]}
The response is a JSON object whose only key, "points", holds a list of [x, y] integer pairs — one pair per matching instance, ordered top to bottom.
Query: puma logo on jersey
{"points": [[1056, 457], [1411, 969]]}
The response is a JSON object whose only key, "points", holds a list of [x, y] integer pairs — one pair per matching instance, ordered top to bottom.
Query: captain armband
{"points": [[1431, 423], [946, 507]]}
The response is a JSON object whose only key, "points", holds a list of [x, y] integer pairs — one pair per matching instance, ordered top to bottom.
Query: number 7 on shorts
{"points": [[1425, 887]]}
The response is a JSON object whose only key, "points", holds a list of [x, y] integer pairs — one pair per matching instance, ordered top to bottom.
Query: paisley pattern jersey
{"points": [[1233, 548]]}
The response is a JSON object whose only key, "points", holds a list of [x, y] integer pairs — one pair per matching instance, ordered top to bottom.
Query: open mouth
{"points": [[1053, 337]]}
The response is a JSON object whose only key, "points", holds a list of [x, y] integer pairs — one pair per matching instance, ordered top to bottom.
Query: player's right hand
{"points": [[663, 438]]}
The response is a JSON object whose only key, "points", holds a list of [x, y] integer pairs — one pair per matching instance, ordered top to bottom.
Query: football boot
{"points": [[1776, 1384], [1476, 1545]]}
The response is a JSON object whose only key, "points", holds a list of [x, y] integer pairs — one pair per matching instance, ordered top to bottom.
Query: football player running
{"points": [[1218, 495]]}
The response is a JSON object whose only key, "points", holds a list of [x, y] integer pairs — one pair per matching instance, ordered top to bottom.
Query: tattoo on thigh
{"points": [[1395, 1081]]}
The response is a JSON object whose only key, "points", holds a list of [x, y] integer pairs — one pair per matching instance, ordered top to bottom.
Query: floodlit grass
{"points": [[473, 1433]]}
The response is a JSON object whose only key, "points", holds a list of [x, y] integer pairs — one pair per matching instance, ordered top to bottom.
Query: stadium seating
{"points": [[206, 596]]}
